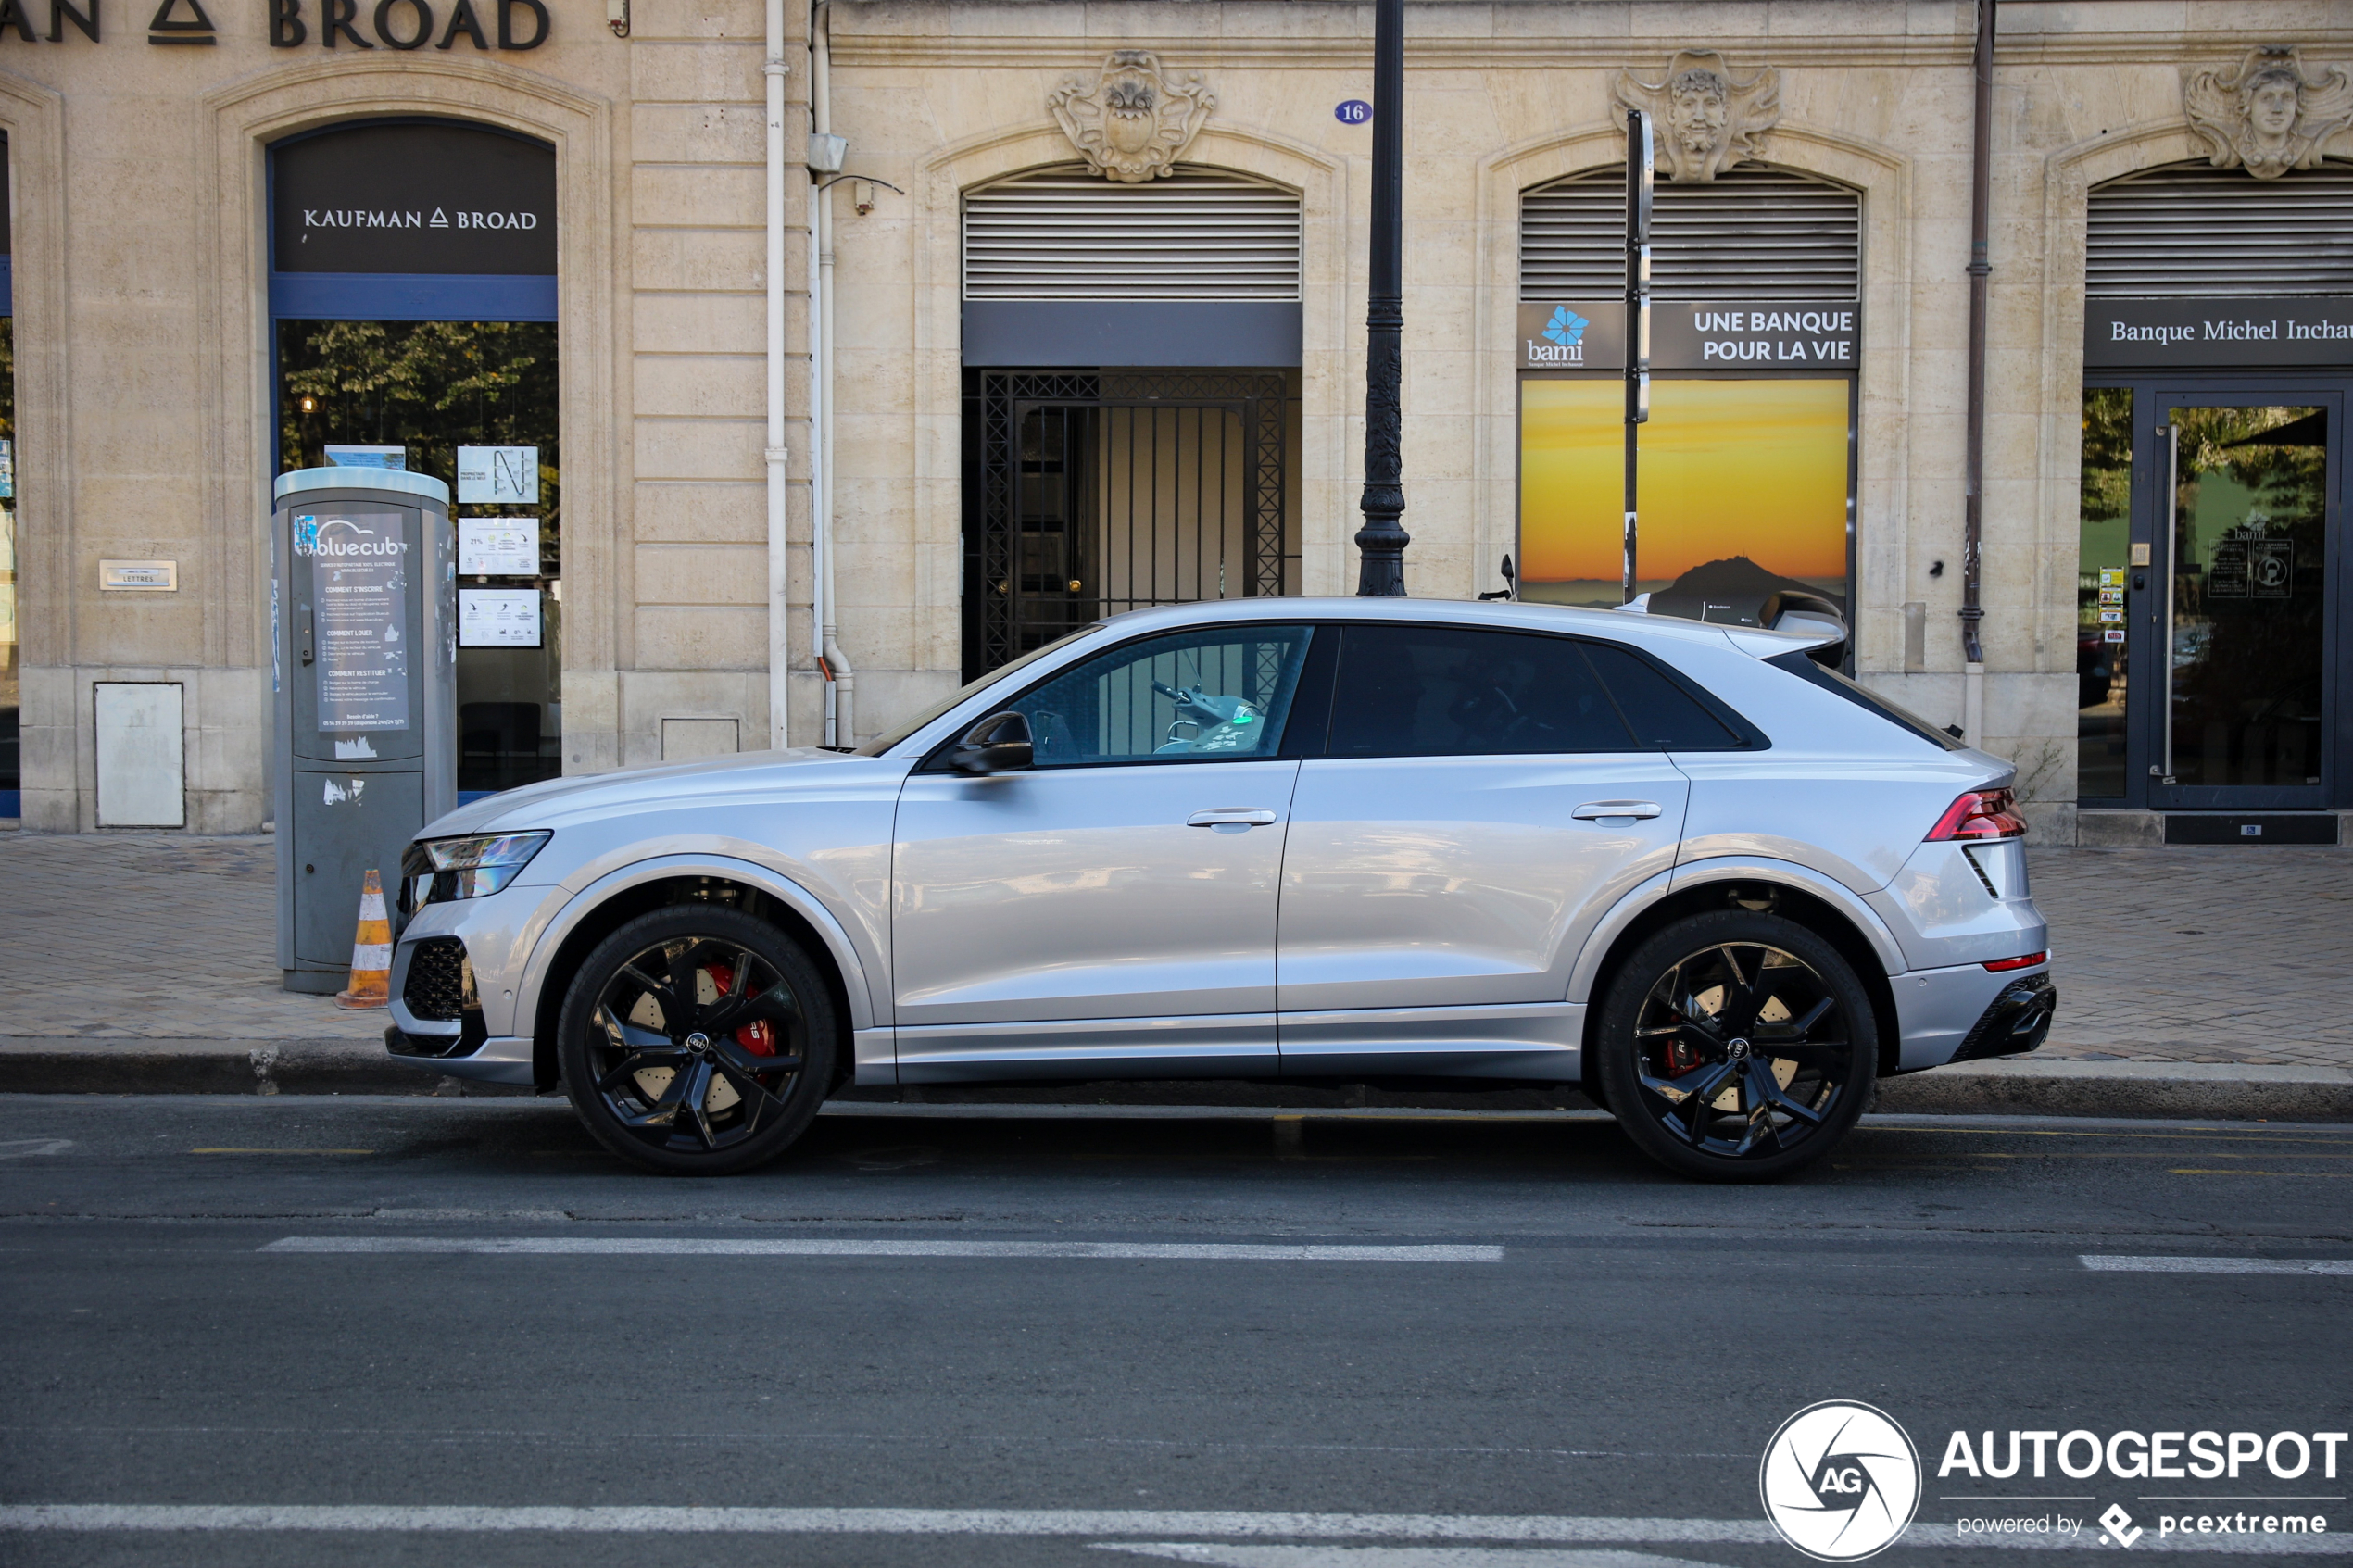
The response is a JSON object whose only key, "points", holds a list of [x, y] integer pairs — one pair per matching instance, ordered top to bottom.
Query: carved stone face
{"points": [[2272, 106], [1698, 110], [1129, 113]]}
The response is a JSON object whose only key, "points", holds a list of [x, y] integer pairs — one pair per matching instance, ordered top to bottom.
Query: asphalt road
{"points": [[1554, 1357]]}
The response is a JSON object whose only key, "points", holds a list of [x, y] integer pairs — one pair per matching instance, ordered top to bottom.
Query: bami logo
{"points": [[1567, 327], [1564, 337]]}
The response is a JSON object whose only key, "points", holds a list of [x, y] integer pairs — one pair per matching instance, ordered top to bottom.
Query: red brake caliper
{"points": [[759, 1038]]}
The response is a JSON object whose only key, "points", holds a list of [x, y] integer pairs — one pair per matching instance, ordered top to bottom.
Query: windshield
{"points": [[877, 747]]}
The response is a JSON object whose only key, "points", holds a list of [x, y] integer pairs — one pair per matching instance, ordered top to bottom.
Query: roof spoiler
{"points": [[1799, 621]]}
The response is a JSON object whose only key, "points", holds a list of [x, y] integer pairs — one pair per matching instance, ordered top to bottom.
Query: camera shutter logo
{"points": [[1839, 1481]]}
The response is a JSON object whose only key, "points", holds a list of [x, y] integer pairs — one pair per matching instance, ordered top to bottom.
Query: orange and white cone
{"points": [[371, 952]]}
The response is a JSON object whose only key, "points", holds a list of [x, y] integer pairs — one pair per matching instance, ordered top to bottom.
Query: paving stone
{"points": [[2172, 954]]}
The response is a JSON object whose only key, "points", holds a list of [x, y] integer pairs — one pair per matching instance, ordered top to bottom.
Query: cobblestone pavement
{"points": [[151, 937], [2164, 955]]}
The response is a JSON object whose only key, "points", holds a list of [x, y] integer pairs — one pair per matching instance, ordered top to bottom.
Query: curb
{"points": [[79, 1065], [2198, 1090], [2212, 1091]]}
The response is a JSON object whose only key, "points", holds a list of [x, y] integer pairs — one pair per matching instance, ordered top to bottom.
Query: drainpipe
{"points": [[1973, 514], [779, 641], [841, 681]]}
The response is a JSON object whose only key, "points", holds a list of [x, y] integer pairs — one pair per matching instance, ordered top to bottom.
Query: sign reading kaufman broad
{"points": [[420, 196], [2124, 332], [1590, 335]]}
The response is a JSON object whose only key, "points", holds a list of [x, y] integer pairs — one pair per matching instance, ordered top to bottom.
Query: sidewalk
{"points": [[161, 945]]}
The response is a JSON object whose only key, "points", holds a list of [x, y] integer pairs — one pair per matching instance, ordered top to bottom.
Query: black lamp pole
{"points": [[1382, 541]]}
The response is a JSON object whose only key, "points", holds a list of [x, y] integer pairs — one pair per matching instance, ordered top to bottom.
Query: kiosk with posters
{"points": [[363, 663]]}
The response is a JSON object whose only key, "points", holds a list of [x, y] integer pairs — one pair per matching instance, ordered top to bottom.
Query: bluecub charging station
{"points": [[363, 636]]}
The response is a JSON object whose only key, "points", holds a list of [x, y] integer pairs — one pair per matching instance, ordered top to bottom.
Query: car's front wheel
{"points": [[697, 1040], [1736, 1047]]}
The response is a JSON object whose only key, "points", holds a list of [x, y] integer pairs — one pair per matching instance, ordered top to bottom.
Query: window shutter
{"points": [[2194, 231], [1751, 233], [1062, 234]]}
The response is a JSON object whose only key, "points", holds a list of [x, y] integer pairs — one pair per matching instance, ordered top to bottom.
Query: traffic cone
{"points": [[371, 952]]}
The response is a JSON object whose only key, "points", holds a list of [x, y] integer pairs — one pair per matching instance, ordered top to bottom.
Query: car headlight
{"points": [[436, 870]]}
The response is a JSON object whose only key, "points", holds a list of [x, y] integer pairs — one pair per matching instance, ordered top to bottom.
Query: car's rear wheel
{"points": [[697, 1040], [1736, 1047]]}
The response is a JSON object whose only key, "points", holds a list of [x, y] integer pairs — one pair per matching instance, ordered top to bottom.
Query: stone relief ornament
{"points": [[2269, 115], [1705, 119], [1136, 121]]}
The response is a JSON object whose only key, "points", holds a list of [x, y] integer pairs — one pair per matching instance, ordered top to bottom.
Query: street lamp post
{"points": [[1639, 181], [1382, 542]]}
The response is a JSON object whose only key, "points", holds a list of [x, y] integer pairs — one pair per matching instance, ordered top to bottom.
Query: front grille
{"points": [[435, 990]]}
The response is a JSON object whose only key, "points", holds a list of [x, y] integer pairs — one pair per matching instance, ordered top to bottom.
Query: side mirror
{"points": [[998, 743]]}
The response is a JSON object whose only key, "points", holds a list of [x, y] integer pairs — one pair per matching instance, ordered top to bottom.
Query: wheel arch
{"points": [[606, 905], [1827, 908]]}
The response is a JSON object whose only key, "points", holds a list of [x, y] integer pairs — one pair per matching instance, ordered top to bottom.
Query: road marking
{"points": [[29, 1148], [281, 1151], [2195, 1170], [729, 1246], [2099, 1264], [1156, 1526], [1228, 1556]]}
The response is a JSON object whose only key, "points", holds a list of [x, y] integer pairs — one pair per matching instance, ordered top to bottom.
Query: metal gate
{"points": [[1088, 493]]}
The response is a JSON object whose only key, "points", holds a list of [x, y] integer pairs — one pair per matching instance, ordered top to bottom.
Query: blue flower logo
{"points": [[1567, 327]]}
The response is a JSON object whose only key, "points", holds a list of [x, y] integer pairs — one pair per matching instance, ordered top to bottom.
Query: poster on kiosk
{"points": [[364, 666]]}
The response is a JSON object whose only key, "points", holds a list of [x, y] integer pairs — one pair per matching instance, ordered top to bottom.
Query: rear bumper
{"points": [[1969, 1012]]}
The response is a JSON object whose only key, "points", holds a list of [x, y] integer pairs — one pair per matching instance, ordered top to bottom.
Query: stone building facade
{"points": [[145, 392]]}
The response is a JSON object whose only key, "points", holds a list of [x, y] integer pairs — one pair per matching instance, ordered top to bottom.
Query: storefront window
{"points": [[418, 392], [1743, 492], [2103, 565]]}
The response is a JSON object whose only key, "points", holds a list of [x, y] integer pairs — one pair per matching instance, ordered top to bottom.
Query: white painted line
{"points": [[756, 1246], [2108, 1265], [1156, 1528], [1226, 1554]]}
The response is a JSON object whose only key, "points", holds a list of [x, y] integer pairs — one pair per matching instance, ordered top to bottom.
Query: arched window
{"points": [[2189, 229]]}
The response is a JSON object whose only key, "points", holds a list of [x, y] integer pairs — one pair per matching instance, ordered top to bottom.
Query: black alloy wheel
{"points": [[697, 1040], [1737, 1047]]}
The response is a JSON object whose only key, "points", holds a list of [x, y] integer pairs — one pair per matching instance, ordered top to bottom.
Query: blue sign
{"points": [[1355, 111]]}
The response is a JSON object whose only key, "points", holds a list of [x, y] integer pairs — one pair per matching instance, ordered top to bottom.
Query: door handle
{"points": [[2170, 513], [1596, 811], [1232, 816]]}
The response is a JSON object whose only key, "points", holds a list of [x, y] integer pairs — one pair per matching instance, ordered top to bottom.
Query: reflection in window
{"points": [[2100, 585], [1194, 696]]}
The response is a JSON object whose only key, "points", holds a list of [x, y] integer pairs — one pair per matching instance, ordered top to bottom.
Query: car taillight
{"points": [[1981, 813], [2024, 961]]}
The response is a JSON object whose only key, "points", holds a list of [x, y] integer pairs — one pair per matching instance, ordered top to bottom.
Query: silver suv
{"points": [[1715, 884]]}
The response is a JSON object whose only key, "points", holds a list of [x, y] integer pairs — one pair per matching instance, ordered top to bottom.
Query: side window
{"points": [[1443, 691], [1190, 696], [1665, 716]]}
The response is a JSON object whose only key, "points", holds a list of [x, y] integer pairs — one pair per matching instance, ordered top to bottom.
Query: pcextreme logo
{"points": [[1839, 1481]]}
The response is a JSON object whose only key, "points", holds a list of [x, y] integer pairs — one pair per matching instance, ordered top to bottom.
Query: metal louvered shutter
{"points": [[2195, 231], [1751, 233], [1062, 234]]}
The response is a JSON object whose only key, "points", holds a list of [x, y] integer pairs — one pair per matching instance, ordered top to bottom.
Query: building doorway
{"points": [[413, 294], [1092, 494], [2209, 611]]}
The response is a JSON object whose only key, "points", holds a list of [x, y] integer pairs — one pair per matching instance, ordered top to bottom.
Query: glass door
{"points": [[2240, 616]]}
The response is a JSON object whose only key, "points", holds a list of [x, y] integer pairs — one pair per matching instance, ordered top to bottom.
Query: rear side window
{"points": [[1446, 691], [1864, 697], [1665, 717]]}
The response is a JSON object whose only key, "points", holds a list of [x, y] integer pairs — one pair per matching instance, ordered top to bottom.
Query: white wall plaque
{"points": [[499, 476], [498, 547], [139, 576], [497, 618], [141, 754]]}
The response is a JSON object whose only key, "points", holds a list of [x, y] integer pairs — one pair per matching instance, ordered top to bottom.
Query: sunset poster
{"points": [[1743, 492]]}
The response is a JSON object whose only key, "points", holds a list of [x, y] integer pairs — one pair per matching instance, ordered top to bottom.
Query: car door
{"points": [[1480, 804], [1110, 910]]}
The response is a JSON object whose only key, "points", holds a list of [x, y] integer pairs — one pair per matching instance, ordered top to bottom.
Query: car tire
{"points": [[1736, 1047], [719, 1083]]}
